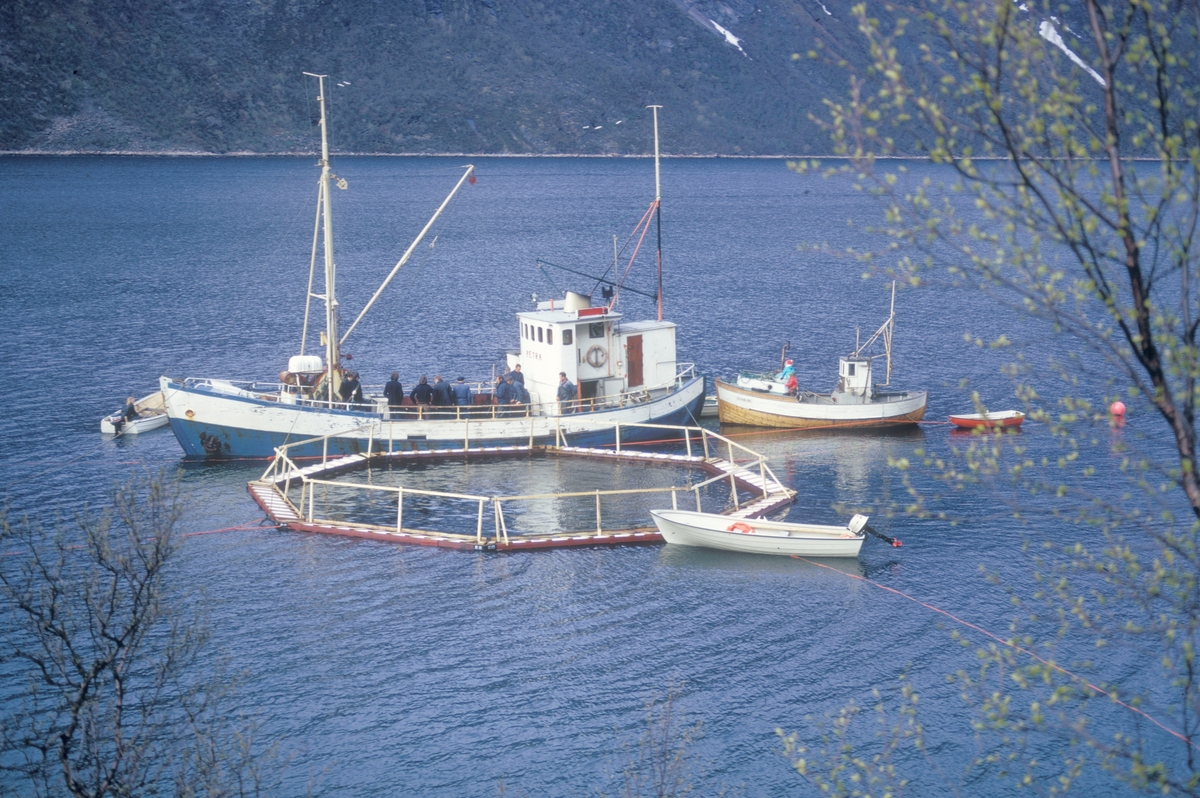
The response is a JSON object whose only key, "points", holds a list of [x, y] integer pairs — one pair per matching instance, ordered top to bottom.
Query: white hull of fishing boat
{"points": [[152, 415], [218, 419], [708, 530]]}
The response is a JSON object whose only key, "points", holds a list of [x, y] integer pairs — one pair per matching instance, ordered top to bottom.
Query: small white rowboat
{"points": [[151, 415], [689, 528]]}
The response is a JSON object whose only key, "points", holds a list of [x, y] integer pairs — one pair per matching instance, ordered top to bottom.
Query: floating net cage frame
{"points": [[287, 490]]}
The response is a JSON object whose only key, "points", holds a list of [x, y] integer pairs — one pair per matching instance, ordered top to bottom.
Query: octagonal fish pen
{"points": [[560, 496]]}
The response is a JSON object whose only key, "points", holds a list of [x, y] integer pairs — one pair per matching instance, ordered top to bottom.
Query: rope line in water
{"points": [[1013, 646]]}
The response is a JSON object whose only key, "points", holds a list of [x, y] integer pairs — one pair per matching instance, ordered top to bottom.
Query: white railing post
{"points": [[617, 428], [704, 440], [324, 450], [762, 473], [674, 500], [399, 510], [479, 524], [599, 527]]}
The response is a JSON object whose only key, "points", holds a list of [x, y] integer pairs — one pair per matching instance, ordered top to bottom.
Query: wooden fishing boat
{"points": [[774, 400], [151, 415], [1001, 419], [709, 530]]}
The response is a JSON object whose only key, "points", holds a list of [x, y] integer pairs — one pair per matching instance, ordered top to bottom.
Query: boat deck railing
{"points": [[377, 406], [753, 490]]}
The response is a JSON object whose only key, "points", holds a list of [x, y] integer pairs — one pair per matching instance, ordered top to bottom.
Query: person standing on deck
{"points": [[518, 377], [351, 389], [394, 392], [462, 393], [502, 393], [422, 394], [566, 394], [442, 396]]}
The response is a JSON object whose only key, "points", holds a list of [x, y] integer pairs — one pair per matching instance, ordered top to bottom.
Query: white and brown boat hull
{"points": [[759, 409]]}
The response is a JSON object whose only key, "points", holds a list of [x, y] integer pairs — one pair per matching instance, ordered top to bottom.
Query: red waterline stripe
{"points": [[1013, 646]]}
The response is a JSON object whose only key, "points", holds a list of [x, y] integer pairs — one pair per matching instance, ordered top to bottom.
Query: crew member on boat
{"points": [[351, 389], [394, 392], [462, 393], [422, 394], [566, 394], [127, 414]]}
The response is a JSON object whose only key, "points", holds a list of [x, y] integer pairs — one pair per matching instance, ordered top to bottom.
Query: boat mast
{"points": [[658, 206], [887, 336], [332, 350]]}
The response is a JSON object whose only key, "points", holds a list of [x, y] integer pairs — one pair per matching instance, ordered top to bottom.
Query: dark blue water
{"points": [[382, 669]]}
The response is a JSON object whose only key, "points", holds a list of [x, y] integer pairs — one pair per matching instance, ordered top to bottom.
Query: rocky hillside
{"points": [[418, 76]]}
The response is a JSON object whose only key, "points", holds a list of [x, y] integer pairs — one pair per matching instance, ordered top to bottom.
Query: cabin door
{"points": [[633, 354], [587, 394]]}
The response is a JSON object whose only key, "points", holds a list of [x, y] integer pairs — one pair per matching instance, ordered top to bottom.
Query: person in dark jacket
{"points": [[518, 377], [351, 389], [394, 392], [502, 392], [422, 394], [442, 396]]}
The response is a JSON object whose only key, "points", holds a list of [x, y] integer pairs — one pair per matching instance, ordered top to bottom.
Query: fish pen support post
{"points": [[530, 431], [390, 432], [617, 432], [467, 438], [688, 439], [704, 439], [370, 441], [324, 450], [732, 462], [762, 474], [697, 489], [733, 490], [312, 496], [674, 500], [399, 510], [479, 525], [599, 527], [501, 529]]}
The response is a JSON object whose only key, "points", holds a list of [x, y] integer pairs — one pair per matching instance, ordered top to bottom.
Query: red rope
{"points": [[1014, 647]]}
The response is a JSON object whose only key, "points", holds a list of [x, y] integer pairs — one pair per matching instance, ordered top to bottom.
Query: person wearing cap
{"points": [[787, 372], [462, 393]]}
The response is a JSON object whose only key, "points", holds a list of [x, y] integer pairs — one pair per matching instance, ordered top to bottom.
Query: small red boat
{"points": [[1004, 418]]}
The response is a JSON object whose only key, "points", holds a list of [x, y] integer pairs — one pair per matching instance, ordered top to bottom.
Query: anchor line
{"points": [[1070, 675]]}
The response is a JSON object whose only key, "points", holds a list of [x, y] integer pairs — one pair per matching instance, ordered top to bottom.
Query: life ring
{"points": [[597, 356], [740, 526]]}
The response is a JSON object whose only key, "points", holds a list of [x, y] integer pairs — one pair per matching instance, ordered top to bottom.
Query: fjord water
{"points": [[382, 669]]}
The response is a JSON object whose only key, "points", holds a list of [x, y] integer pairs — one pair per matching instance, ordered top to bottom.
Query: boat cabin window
{"points": [[524, 330], [596, 330], [539, 334], [549, 335], [568, 338], [850, 369]]}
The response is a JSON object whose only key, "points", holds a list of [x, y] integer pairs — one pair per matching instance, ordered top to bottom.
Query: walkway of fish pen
{"points": [[753, 491]]}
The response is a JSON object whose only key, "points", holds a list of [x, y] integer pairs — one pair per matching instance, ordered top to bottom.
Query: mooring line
{"points": [[1013, 646]]}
